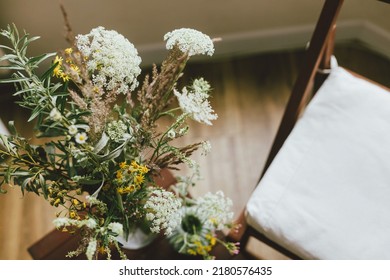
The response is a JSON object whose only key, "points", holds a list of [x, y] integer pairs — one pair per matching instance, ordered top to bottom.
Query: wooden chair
{"points": [[324, 192]]}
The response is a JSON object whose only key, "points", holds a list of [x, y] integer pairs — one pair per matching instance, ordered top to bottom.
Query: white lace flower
{"points": [[189, 41], [111, 58], [201, 85], [196, 104], [117, 131], [206, 147], [92, 200], [214, 210], [163, 211], [62, 222], [90, 223], [116, 228], [91, 249]]}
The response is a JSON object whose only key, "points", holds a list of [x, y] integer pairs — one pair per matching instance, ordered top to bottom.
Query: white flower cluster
{"points": [[189, 41], [111, 58], [201, 85], [195, 102], [117, 131], [206, 147], [214, 210], [163, 211], [66, 222], [116, 228], [91, 249]]}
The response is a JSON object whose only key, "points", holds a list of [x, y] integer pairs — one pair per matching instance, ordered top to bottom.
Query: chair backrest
{"points": [[318, 54], [310, 78]]}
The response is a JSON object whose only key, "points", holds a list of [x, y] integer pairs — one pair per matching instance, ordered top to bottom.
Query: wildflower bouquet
{"points": [[104, 146]]}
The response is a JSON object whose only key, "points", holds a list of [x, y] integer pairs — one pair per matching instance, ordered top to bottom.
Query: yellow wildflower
{"points": [[68, 50], [58, 60], [75, 68], [57, 70], [65, 77], [134, 164], [123, 165], [143, 169], [139, 179], [131, 188], [128, 189], [75, 201], [57, 202], [72, 214], [214, 221], [211, 239], [102, 250], [191, 252]]}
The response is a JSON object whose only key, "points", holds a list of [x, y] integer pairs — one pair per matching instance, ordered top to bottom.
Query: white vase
{"points": [[137, 239]]}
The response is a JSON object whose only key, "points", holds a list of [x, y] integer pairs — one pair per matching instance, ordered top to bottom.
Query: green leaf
{"points": [[32, 39], [6, 47], [8, 57], [38, 59], [11, 67], [48, 72], [14, 80], [22, 91], [60, 93], [37, 111], [79, 115], [12, 128], [4, 142], [102, 143], [50, 150], [112, 155], [21, 173], [7, 176], [85, 181], [42, 183], [25, 184], [120, 202]]}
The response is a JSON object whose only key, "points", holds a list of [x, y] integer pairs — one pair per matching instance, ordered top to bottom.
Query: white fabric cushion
{"points": [[3, 129], [327, 193]]}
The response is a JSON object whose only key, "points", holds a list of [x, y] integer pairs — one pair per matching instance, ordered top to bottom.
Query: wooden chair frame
{"points": [[312, 74]]}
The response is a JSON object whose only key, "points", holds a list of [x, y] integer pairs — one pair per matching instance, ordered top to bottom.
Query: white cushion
{"points": [[3, 129], [327, 193]]}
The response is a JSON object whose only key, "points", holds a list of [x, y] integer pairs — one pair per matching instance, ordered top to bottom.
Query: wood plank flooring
{"points": [[249, 96]]}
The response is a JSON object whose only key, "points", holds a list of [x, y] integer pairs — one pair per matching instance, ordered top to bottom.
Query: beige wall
{"points": [[145, 22]]}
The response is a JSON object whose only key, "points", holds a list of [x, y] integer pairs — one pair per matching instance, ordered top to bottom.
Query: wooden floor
{"points": [[249, 96]]}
